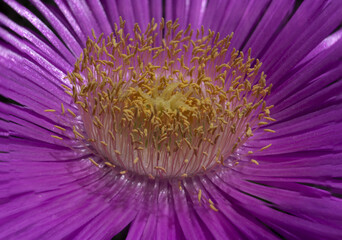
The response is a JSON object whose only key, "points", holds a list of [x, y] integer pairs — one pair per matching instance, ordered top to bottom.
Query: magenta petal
{"points": [[125, 10], [141, 12], [84, 17], [101, 17], [71, 20], [42, 28], [62, 30], [162, 220], [213, 220], [191, 225]]}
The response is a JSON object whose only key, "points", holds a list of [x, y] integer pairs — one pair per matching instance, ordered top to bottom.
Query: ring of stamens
{"points": [[167, 102]]}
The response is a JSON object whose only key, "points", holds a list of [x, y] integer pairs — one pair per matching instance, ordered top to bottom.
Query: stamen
{"points": [[62, 107], [71, 112], [60, 128], [269, 130], [54, 136], [269, 145], [93, 161], [255, 161], [199, 195], [213, 208]]}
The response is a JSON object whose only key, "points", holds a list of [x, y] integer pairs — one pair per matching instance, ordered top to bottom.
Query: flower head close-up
{"points": [[170, 119]]}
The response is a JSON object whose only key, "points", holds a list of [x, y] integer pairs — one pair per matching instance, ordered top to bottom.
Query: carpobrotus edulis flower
{"points": [[166, 106], [115, 117]]}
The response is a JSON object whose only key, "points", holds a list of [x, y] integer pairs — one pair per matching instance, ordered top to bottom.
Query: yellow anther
{"points": [[65, 87], [63, 109], [71, 112], [270, 119], [60, 128], [269, 130], [249, 132], [76, 133], [111, 134], [54, 136], [269, 145], [117, 152], [93, 161], [255, 161], [109, 164], [160, 168], [151, 176], [199, 195], [213, 208]]}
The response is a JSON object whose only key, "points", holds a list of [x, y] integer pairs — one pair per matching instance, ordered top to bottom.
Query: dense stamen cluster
{"points": [[167, 102]]}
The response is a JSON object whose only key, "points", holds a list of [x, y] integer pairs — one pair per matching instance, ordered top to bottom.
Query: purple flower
{"points": [[175, 135]]}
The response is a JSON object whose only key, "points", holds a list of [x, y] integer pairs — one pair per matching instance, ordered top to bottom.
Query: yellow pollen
{"points": [[162, 95]]}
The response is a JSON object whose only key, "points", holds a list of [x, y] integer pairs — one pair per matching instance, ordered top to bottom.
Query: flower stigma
{"points": [[165, 102]]}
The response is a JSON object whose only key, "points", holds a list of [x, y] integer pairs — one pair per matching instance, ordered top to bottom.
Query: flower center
{"points": [[167, 102]]}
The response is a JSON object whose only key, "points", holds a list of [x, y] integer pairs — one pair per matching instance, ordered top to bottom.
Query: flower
{"points": [[69, 172]]}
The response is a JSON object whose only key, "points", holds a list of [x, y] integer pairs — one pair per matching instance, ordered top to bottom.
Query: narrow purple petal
{"points": [[141, 12], [84, 17], [101, 17], [42, 28], [61, 29]]}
